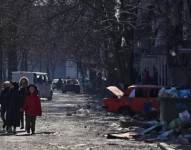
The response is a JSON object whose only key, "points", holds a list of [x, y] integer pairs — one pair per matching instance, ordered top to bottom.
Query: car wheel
{"points": [[78, 91], [50, 96], [125, 111]]}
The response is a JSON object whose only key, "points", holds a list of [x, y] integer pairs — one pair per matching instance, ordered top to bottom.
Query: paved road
{"points": [[72, 122]]}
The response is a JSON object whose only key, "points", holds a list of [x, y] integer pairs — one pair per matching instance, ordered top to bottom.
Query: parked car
{"points": [[40, 79], [54, 82], [57, 84], [72, 85], [132, 100]]}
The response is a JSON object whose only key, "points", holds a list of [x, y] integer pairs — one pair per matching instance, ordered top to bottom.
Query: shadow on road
{"points": [[45, 132], [4, 133], [22, 133], [38, 133], [25, 134]]}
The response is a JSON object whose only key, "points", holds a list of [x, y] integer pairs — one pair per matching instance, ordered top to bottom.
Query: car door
{"points": [[153, 94], [137, 103]]}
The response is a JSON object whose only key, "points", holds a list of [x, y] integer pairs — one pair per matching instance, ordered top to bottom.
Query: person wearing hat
{"points": [[32, 108]]}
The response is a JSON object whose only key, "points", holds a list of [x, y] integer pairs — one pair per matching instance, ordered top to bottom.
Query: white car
{"points": [[40, 79]]}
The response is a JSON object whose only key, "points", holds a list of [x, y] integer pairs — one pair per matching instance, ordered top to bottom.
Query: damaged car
{"points": [[135, 99]]}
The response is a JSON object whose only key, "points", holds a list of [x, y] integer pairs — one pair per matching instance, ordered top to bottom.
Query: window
{"points": [[40, 78], [139, 92], [153, 93], [132, 94]]}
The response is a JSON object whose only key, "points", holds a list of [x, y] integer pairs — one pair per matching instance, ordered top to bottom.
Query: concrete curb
{"points": [[164, 146]]}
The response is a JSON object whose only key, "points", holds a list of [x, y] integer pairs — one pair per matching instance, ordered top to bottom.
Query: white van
{"points": [[39, 79]]}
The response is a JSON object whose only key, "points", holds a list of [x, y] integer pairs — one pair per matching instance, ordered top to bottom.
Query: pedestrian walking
{"points": [[23, 83], [3, 101], [13, 108], [32, 108]]}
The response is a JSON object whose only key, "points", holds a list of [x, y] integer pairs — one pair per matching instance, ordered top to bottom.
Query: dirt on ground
{"points": [[72, 122]]}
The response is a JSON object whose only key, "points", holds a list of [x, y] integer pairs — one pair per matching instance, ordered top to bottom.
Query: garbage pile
{"points": [[174, 93], [174, 123], [177, 131]]}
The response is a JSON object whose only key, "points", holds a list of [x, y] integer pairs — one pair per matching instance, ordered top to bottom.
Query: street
{"points": [[135, 53], [72, 122]]}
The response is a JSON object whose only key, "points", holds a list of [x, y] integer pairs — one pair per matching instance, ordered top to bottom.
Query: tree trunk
{"points": [[12, 50], [124, 51], [1, 60], [12, 61], [24, 61]]}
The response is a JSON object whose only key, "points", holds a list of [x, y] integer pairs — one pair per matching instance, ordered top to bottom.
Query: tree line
{"points": [[100, 35]]}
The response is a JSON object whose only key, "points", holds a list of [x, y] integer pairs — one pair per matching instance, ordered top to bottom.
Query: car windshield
{"points": [[38, 78], [55, 81], [71, 82]]}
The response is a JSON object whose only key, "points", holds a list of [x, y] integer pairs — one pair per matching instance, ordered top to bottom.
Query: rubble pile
{"points": [[173, 125]]}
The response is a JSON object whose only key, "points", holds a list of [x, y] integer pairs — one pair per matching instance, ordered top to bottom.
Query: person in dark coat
{"points": [[23, 83], [3, 101], [13, 108], [32, 108]]}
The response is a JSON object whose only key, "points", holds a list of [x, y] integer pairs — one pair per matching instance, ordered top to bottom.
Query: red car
{"points": [[137, 98]]}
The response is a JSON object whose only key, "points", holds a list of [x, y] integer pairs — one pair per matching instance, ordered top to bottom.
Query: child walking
{"points": [[32, 108]]}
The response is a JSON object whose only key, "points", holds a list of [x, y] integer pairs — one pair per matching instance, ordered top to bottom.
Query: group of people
{"points": [[17, 99]]}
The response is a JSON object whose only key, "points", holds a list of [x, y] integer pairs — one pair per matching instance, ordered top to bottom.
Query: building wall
{"points": [[157, 55], [157, 67], [71, 69]]}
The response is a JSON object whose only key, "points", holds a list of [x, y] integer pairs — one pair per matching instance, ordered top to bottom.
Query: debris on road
{"points": [[83, 112], [133, 122], [174, 124], [150, 129], [128, 135], [165, 146]]}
